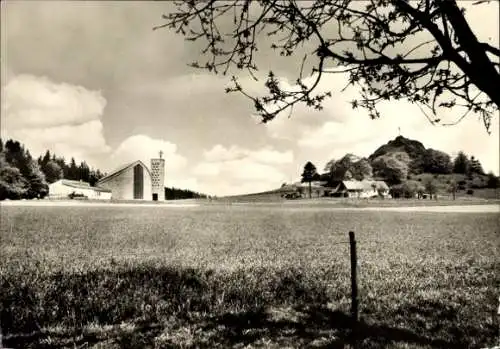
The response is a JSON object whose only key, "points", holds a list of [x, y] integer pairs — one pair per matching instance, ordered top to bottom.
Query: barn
{"points": [[129, 182], [65, 188], [362, 189]]}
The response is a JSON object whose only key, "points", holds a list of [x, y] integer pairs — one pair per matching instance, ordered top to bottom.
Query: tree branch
{"points": [[491, 49]]}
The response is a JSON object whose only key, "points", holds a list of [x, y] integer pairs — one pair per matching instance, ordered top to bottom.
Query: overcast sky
{"points": [[93, 81]]}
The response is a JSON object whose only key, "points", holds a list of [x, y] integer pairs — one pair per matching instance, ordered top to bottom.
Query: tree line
{"points": [[56, 168], [396, 169], [24, 177], [177, 194]]}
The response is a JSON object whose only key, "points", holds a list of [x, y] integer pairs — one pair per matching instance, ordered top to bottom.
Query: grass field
{"points": [[478, 185], [480, 196], [245, 277]]}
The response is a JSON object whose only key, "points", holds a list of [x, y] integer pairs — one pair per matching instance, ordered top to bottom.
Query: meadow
{"points": [[245, 276]]}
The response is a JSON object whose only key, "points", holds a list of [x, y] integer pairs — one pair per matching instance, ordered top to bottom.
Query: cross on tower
{"points": [[161, 153]]}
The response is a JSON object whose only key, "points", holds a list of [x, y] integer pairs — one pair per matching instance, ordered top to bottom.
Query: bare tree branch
{"points": [[376, 42]]}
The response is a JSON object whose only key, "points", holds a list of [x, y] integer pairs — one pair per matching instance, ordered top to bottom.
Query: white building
{"points": [[133, 181], [129, 182], [65, 188], [362, 189]]}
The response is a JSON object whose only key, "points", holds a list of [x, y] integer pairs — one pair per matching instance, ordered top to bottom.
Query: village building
{"points": [[135, 181], [129, 182], [65, 188], [350, 189], [362, 189]]}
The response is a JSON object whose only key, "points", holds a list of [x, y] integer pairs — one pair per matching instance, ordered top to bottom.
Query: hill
{"points": [[415, 150], [426, 165]]}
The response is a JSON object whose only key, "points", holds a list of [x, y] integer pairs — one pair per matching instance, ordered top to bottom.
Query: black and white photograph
{"points": [[250, 174]]}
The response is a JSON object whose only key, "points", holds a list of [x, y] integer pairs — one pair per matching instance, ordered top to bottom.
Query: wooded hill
{"points": [[409, 167]]}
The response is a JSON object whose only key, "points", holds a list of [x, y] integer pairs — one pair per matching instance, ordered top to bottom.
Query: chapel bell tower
{"points": [[158, 178]]}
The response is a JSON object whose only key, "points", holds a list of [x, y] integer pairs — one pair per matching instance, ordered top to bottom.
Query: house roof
{"points": [[122, 169], [81, 185], [353, 185], [365, 185], [369, 185]]}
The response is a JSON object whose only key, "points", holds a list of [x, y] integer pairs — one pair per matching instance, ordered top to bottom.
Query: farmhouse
{"points": [[135, 181], [65, 188], [352, 189], [362, 189]]}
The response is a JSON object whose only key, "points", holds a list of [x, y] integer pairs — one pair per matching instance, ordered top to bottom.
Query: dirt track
{"points": [[487, 208]]}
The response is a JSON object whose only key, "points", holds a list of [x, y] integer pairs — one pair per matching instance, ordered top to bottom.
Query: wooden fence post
{"points": [[354, 281]]}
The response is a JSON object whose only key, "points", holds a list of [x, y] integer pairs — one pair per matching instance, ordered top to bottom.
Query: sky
{"points": [[93, 81]]}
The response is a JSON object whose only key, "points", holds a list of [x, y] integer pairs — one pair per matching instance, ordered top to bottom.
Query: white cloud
{"points": [[36, 102], [60, 117], [304, 119], [353, 128], [83, 142], [142, 147], [220, 153], [265, 155], [270, 156], [206, 169], [235, 170], [246, 170], [241, 177], [190, 183]]}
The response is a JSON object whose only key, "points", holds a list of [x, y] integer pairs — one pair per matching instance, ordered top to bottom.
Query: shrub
{"points": [[493, 181], [477, 183], [430, 186], [397, 191], [470, 192]]}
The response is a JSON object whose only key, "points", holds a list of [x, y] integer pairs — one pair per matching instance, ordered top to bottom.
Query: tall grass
{"points": [[234, 276]]}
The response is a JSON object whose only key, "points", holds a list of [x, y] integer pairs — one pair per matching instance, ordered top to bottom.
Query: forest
{"points": [[24, 177]]}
